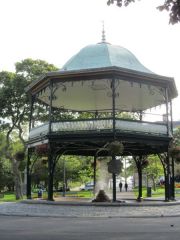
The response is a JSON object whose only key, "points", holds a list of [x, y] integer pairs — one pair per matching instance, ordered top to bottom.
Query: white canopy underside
{"points": [[92, 95]]}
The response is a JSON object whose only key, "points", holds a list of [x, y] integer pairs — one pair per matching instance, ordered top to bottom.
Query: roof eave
{"points": [[154, 78]]}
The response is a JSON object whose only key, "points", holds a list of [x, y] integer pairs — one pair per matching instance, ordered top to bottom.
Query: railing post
{"points": [[50, 104], [113, 108], [167, 110], [114, 136], [172, 159], [95, 163], [50, 173], [28, 186]]}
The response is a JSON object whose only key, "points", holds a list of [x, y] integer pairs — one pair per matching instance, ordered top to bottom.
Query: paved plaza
{"points": [[73, 207], [75, 219]]}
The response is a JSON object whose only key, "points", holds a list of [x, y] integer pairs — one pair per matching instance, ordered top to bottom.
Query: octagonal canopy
{"points": [[104, 55], [84, 82]]}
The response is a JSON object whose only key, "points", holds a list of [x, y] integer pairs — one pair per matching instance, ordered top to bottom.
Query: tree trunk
{"points": [[17, 179], [140, 182], [154, 184]]}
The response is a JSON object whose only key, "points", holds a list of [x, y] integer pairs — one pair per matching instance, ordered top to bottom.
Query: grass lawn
{"points": [[158, 193], [82, 194], [7, 197], [10, 197]]}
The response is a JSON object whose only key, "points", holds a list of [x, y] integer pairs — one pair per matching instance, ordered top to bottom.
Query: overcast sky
{"points": [[54, 30]]}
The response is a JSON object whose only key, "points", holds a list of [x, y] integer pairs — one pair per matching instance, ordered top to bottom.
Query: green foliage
{"points": [[120, 3], [172, 6], [32, 69], [14, 102], [14, 110], [128, 116], [176, 136], [115, 147], [175, 148], [77, 168], [154, 169], [40, 173], [6, 177]]}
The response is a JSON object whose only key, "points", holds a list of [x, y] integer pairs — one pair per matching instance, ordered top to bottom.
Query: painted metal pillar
{"points": [[50, 105], [167, 111], [114, 136], [50, 151], [172, 159], [139, 167], [50, 174], [94, 176], [64, 177], [168, 177], [172, 180], [114, 181], [28, 186]]}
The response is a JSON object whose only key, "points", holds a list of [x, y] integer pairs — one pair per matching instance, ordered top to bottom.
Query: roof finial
{"points": [[103, 33]]}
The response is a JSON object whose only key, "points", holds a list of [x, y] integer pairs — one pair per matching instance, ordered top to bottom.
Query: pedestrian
{"points": [[120, 186], [126, 186]]}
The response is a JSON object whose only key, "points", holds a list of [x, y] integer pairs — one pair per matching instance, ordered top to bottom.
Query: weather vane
{"points": [[103, 33]]}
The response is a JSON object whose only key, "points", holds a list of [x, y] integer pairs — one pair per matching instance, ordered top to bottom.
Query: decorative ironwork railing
{"points": [[98, 125]]}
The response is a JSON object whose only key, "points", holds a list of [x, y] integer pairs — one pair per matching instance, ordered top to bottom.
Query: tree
{"points": [[172, 6], [14, 109], [141, 162], [77, 168], [154, 169]]}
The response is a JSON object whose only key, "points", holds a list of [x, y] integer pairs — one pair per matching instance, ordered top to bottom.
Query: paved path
{"points": [[125, 195], [76, 207], [54, 209]]}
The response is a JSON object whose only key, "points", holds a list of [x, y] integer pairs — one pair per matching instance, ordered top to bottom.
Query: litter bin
{"points": [[40, 192], [149, 192]]}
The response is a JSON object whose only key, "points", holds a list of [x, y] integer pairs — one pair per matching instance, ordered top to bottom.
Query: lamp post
{"points": [[125, 176], [64, 178]]}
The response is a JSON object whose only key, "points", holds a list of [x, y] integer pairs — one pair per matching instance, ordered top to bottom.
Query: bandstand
{"points": [[102, 94]]}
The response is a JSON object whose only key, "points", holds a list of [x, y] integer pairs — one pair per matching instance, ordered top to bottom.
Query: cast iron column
{"points": [[50, 104], [167, 110], [114, 137], [50, 152], [172, 159], [95, 162], [139, 168], [50, 174], [168, 178], [28, 187]]}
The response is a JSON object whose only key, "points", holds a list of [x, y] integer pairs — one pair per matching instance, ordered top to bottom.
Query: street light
{"points": [[64, 178]]}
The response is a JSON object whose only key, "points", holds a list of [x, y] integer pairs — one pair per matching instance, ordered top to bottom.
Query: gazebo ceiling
{"points": [[96, 95]]}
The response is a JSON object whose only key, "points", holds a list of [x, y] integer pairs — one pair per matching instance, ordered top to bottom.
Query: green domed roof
{"points": [[104, 55]]}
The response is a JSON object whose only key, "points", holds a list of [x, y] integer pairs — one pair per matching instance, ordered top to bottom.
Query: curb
{"points": [[103, 204], [89, 217]]}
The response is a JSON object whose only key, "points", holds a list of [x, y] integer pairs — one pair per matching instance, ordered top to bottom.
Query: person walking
{"points": [[120, 186], [126, 186]]}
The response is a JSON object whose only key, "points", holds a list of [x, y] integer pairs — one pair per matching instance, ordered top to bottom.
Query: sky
{"points": [[55, 30]]}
